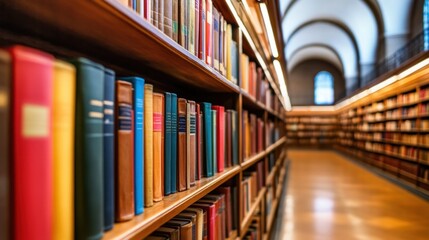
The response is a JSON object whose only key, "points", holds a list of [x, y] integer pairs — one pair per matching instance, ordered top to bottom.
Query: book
{"points": [[147, 10], [154, 13], [161, 14], [168, 18], [175, 20], [191, 26], [183, 27], [197, 27], [202, 31], [209, 33], [215, 38], [221, 44], [228, 48], [234, 62], [244, 73], [64, 83], [138, 97], [158, 126], [219, 131], [199, 136], [207, 138], [234, 139], [228, 140], [214, 141], [31, 142], [167, 143], [173, 143], [181, 143], [191, 143], [148, 145], [5, 146], [109, 149], [124, 160], [226, 191], [210, 210], [191, 216], [89, 221], [199, 221], [185, 226], [168, 232]]}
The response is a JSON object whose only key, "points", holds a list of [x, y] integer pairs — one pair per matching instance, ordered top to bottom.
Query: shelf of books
{"points": [[137, 121], [317, 130], [389, 130]]}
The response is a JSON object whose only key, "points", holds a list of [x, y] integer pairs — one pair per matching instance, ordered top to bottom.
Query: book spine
{"points": [[148, 10], [154, 13], [161, 15], [168, 18], [175, 20], [191, 26], [197, 27], [202, 35], [209, 38], [215, 38], [228, 52], [158, 119], [234, 129], [220, 137], [228, 139], [32, 141], [214, 141], [192, 142], [173, 143], [148, 145], [5, 147], [208, 147], [63, 148], [109, 149], [182, 157], [167, 159], [124, 166], [199, 167]]}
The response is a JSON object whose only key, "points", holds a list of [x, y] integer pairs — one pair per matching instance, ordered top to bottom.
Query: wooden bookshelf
{"points": [[115, 36]]}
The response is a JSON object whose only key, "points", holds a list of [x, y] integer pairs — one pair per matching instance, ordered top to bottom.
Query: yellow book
{"points": [[158, 120], [148, 145], [63, 150]]}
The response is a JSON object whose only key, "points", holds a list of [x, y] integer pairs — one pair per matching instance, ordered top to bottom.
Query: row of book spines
{"points": [[198, 27], [95, 166], [251, 184], [212, 217], [254, 232]]}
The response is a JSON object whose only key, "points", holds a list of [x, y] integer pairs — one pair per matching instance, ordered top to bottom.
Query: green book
{"points": [[89, 219]]}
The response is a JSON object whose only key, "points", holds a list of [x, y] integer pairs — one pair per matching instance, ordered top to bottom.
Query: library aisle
{"points": [[330, 197]]}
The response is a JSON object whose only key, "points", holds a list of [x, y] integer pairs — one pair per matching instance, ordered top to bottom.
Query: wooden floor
{"points": [[330, 197]]}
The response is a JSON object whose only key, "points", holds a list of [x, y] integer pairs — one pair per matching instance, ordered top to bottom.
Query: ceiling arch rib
{"points": [[356, 15], [396, 17], [333, 37], [315, 51]]}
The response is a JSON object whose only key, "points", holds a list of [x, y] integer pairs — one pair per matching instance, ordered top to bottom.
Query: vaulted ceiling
{"points": [[352, 35]]}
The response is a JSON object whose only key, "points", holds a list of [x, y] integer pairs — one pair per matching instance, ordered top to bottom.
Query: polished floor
{"points": [[330, 197]]}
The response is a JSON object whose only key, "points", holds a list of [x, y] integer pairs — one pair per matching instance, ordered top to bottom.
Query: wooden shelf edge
{"points": [[275, 145], [250, 161], [152, 218], [270, 218], [247, 219], [233, 235]]}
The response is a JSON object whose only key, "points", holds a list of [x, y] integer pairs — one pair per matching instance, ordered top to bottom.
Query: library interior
{"points": [[214, 119]]}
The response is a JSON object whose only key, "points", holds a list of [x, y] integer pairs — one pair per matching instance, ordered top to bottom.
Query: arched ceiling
{"points": [[352, 32], [342, 43], [318, 51]]}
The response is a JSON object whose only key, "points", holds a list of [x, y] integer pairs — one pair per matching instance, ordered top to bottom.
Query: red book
{"points": [[209, 32], [220, 137], [32, 143], [211, 218]]}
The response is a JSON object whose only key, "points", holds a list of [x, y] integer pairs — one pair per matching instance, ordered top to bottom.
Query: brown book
{"points": [[154, 14], [161, 15], [168, 18], [175, 20], [183, 27], [252, 78], [259, 83], [158, 122], [253, 134], [260, 135], [191, 139], [228, 139], [148, 145], [124, 161], [182, 166], [199, 167], [218, 201], [228, 211], [191, 216], [199, 223], [185, 226], [171, 232]]}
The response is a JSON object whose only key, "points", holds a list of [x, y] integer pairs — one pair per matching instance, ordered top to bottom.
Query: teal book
{"points": [[234, 59], [138, 97], [207, 136], [234, 140], [214, 142], [167, 145], [173, 186], [89, 221]]}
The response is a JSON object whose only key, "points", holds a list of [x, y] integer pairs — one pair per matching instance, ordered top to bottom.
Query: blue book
{"points": [[234, 59], [138, 96], [207, 136], [167, 145], [109, 149], [173, 186]]}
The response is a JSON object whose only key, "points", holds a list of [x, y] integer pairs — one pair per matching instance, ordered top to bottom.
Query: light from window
{"points": [[426, 24], [323, 88]]}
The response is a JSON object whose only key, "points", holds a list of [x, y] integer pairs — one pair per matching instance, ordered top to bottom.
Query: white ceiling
{"points": [[321, 52]]}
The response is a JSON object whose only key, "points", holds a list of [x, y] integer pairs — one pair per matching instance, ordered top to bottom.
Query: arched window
{"points": [[323, 88]]}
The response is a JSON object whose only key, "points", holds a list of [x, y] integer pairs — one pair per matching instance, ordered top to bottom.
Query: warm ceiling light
{"points": [[270, 33], [282, 83]]}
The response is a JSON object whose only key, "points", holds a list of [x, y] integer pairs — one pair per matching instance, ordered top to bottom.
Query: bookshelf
{"points": [[113, 35], [317, 129]]}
